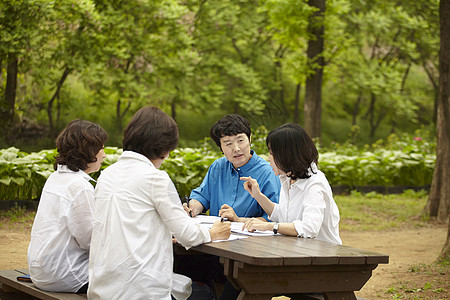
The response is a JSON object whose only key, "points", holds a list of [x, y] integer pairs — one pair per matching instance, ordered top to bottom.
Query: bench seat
{"points": [[8, 279]]}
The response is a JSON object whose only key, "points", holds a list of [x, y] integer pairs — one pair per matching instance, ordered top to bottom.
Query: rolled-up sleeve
{"points": [[168, 205], [80, 217], [311, 220]]}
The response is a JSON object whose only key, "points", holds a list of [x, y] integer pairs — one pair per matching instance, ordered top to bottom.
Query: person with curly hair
{"points": [[58, 254]]}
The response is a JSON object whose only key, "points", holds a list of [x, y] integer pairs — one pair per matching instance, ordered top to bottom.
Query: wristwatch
{"points": [[275, 228]]}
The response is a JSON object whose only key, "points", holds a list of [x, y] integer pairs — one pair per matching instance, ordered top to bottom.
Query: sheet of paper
{"points": [[205, 219], [236, 227], [232, 237]]}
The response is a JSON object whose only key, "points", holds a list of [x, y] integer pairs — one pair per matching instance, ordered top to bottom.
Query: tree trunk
{"points": [[59, 85], [281, 85], [11, 87], [435, 89], [313, 91], [297, 103], [356, 108], [120, 114], [371, 115], [439, 199], [445, 253]]}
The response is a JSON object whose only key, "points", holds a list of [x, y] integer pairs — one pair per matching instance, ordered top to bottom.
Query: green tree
{"points": [[20, 34], [142, 44], [385, 46], [235, 56], [438, 204]]}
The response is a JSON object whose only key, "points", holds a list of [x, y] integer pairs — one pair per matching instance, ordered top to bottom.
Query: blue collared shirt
{"points": [[222, 185]]}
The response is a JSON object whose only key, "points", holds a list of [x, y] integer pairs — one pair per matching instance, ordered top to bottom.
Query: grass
{"points": [[372, 211], [359, 212], [16, 218], [434, 283]]}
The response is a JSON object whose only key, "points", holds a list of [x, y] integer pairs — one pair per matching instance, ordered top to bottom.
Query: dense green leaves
{"points": [[102, 60], [403, 161]]}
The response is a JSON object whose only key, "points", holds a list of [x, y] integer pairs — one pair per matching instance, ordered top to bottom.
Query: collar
{"points": [[134, 155], [248, 165], [65, 169], [299, 183]]}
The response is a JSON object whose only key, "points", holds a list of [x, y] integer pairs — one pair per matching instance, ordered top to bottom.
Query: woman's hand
{"points": [[251, 186], [194, 208], [255, 224], [220, 231]]}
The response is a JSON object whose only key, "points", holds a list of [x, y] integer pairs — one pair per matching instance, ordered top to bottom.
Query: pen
{"points": [[187, 203], [223, 219]]}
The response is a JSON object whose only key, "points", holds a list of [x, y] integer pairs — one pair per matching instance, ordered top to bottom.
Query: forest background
{"points": [[347, 70], [356, 72]]}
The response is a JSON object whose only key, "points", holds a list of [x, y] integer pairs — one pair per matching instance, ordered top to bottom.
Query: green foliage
{"points": [[398, 161], [22, 175]]}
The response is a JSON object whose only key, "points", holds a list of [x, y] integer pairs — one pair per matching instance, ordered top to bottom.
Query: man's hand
{"points": [[227, 211], [220, 231]]}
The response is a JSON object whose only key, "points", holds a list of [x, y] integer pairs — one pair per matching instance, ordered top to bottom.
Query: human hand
{"points": [[251, 185], [193, 207], [187, 209], [227, 211], [256, 224], [220, 231]]}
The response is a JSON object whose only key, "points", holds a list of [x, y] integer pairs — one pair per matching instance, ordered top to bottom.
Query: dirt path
{"points": [[407, 249]]}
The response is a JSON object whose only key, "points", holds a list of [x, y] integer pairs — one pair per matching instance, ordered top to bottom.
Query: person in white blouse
{"points": [[306, 206], [137, 211], [61, 234]]}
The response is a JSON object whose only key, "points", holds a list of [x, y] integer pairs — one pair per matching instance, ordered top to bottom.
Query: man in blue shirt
{"points": [[223, 193]]}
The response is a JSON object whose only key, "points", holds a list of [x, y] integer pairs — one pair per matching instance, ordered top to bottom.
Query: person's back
{"points": [[126, 206], [137, 210], [60, 238], [53, 249]]}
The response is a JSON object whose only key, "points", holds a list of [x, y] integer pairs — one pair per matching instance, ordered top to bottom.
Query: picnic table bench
{"points": [[266, 266], [8, 279]]}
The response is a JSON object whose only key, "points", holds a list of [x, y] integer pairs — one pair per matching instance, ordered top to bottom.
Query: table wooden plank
{"points": [[299, 248], [269, 250], [242, 251], [346, 254]]}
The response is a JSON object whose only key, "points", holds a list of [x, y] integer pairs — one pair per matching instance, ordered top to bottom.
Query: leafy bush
{"points": [[397, 161], [22, 175]]}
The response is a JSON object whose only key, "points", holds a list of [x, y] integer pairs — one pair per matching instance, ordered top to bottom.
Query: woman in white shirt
{"points": [[306, 206], [137, 210], [59, 248]]}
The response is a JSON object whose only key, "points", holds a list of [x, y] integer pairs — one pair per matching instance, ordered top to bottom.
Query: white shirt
{"points": [[309, 204], [137, 209], [59, 248]]}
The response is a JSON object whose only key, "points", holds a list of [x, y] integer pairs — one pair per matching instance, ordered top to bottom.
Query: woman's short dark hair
{"points": [[230, 125], [151, 132], [78, 144], [292, 149]]}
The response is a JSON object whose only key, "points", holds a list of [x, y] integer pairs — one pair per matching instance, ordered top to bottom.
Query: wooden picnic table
{"points": [[280, 265]]}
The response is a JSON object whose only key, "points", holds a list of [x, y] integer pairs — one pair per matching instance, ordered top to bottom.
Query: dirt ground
{"points": [[408, 249]]}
